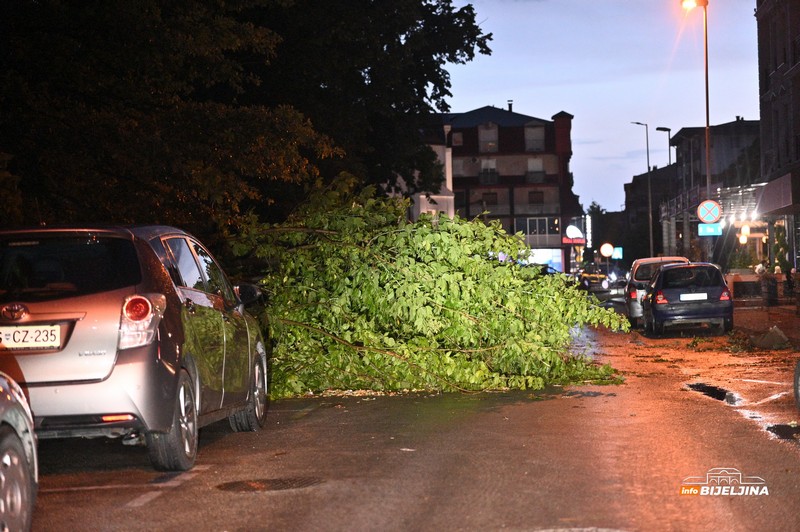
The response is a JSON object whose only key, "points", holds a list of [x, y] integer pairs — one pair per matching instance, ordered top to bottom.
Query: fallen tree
{"points": [[360, 298]]}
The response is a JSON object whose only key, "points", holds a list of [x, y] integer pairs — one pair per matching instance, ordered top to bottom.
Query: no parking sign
{"points": [[709, 211]]}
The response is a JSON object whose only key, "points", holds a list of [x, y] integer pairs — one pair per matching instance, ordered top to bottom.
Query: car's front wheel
{"points": [[254, 415], [176, 450], [17, 486]]}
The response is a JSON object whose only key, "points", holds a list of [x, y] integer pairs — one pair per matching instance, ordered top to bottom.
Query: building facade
{"points": [[778, 23], [514, 168]]}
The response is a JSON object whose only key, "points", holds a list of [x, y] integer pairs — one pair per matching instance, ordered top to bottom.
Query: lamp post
{"points": [[688, 5], [669, 150], [649, 188]]}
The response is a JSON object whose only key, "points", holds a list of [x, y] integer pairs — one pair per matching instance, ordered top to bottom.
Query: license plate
{"points": [[694, 297], [30, 337]]}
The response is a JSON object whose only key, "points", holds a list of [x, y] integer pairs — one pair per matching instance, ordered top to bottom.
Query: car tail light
{"points": [[633, 294], [725, 295], [660, 298], [141, 315]]}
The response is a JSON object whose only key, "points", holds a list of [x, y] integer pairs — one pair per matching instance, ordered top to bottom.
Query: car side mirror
{"points": [[249, 294]]}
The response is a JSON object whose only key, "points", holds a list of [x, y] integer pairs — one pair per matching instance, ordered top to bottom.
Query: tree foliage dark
{"points": [[368, 73], [194, 112], [103, 114]]}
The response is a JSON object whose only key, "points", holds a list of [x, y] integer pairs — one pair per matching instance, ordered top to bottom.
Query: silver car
{"points": [[642, 271], [132, 332], [19, 465]]}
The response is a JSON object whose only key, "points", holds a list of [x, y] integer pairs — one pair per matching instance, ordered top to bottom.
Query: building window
{"points": [[458, 138], [487, 138], [534, 138], [458, 167], [535, 173], [488, 175], [535, 197], [489, 198], [544, 226]]}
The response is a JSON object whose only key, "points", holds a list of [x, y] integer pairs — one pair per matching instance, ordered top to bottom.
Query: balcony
{"points": [[535, 176]]}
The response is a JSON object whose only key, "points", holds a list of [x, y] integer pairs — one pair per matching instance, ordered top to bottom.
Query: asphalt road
{"points": [[584, 457]]}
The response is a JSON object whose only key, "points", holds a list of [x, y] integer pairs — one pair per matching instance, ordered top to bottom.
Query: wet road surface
{"points": [[582, 457]]}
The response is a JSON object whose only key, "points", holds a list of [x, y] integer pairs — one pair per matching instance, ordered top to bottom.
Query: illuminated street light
{"points": [[690, 4], [669, 151], [649, 189]]}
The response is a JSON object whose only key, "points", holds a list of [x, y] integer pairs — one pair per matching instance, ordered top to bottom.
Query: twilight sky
{"points": [[610, 63]]}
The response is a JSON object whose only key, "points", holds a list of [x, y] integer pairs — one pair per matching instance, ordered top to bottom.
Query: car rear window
{"points": [[39, 268], [692, 277]]}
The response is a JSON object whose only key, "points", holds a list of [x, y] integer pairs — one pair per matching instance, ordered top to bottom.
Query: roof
{"points": [[495, 115]]}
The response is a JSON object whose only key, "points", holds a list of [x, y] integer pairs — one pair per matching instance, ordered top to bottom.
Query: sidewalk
{"points": [[755, 320]]}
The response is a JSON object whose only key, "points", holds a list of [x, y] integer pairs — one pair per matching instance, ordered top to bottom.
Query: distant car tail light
{"points": [[633, 294], [725, 295], [660, 298], [141, 315]]}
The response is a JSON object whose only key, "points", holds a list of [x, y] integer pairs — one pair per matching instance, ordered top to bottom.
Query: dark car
{"points": [[642, 271], [690, 294], [132, 332]]}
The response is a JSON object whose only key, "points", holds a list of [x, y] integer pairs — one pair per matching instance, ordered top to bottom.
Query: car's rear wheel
{"points": [[648, 325], [727, 325], [658, 327], [254, 415], [176, 450], [17, 486]]}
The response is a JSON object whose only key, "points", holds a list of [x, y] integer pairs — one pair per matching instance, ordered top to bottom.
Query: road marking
{"points": [[767, 382], [145, 497]]}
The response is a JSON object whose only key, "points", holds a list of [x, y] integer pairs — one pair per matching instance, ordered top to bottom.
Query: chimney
{"points": [[510, 105]]}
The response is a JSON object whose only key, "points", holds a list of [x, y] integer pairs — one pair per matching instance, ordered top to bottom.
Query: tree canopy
{"points": [[195, 112]]}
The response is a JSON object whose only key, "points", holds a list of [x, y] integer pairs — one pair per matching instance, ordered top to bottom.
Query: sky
{"points": [[609, 63]]}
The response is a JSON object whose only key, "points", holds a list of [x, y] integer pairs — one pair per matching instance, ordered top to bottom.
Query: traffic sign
{"points": [[709, 211], [709, 229]]}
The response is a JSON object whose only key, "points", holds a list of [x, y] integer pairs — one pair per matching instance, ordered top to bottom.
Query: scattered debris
{"points": [[772, 339]]}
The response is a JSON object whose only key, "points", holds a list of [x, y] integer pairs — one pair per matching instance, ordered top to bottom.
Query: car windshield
{"points": [[39, 267], [645, 271], [692, 277]]}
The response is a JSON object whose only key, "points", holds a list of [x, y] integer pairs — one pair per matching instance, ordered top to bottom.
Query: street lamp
{"points": [[690, 4], [669, 151], [649, 188]]}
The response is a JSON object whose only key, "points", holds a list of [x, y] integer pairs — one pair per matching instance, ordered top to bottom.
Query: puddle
{"points": [[715, 392], [785, 432]]}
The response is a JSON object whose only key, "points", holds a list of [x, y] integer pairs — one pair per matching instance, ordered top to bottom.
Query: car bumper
{"points": [[685, 317], [138, 393]]}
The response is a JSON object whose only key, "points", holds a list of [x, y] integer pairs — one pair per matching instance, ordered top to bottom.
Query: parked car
{"points": [[642, 271], [591, 277], [687, 294], [132, 332], [19, 465]]}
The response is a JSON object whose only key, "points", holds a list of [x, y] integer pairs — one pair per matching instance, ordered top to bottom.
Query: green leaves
{"points": [[363, 299]]}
